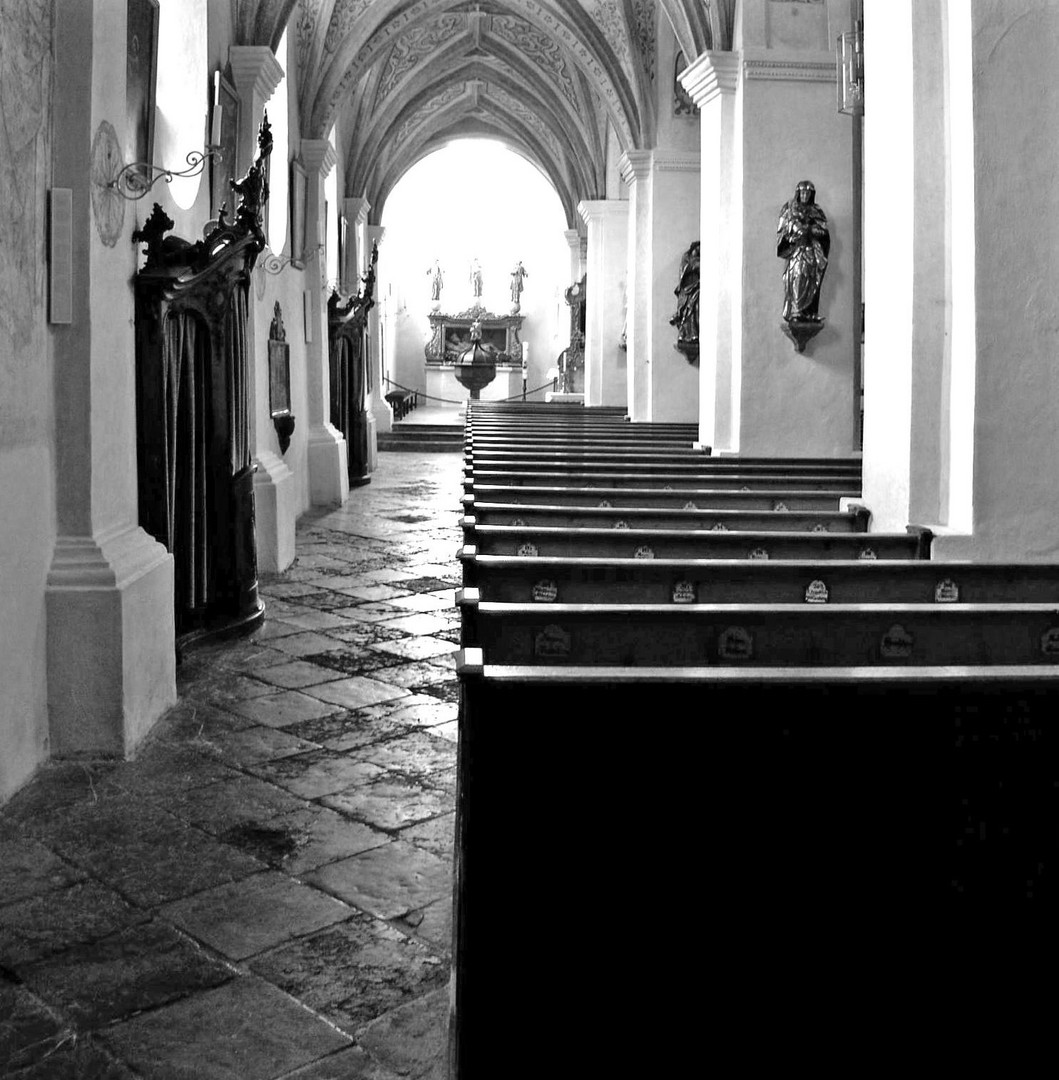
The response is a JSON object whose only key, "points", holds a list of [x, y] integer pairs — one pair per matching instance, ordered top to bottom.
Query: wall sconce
{"points": [[851, 71], [274, 264]]}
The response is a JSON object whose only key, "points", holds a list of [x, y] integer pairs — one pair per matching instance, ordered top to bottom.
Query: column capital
{"points": [[255, 69], [711, 74], [318, 156], [635, 165], [599, 209], [356, 210], [375, 233], [573, 238]]}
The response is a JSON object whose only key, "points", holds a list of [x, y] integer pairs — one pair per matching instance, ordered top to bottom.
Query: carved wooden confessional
{"points": [[350, 372], [196, 482]]}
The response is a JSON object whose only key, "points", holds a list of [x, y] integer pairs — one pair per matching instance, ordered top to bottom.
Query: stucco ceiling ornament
{"points": [[645, 35], [413, 47], [542, 50], [423, 115], [108, 204]]}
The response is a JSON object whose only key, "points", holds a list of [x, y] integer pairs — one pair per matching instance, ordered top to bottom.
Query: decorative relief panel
{"points": [[343, 17], [305, 29], [645, 34], [414, 46], [541, 49], [423, 114], [528, 117]]}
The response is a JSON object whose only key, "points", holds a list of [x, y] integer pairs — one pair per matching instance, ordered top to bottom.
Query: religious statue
{"points": [[804, 241], [517, 275], [476, 279], [436, 281], [686, 319]]}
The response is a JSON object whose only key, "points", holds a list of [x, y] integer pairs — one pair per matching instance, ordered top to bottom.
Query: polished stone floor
{"points": [[265, 891]]}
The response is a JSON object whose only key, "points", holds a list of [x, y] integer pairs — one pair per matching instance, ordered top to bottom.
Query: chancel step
{"points": [[689, 635]]}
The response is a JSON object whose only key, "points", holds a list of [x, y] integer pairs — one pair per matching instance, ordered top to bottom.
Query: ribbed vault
{"points": [[549, 78]]}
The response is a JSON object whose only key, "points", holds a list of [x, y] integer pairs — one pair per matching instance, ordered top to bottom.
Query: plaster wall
{"points": [[1016, 160], [794, 404], [27, 524]]}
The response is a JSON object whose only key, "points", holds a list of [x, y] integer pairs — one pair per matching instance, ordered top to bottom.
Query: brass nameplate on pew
{"points": [[603, 504], [689, 505], [781, 506], [621, 523], [719, 527], [819, 527], [527, 549], [644, 552], [757, 553], [867, 553], [545, 591], [684, 592], [816, 592], [946, 592], [552, 643], [735, 643], [1050, 643], [896, 644]]}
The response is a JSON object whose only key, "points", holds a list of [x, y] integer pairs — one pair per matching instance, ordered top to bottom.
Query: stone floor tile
{"points": [[387, 575], [424, 584], [287, 590], [374, 591], [420, 602], [374, 611], [316, 620], [417, 625], [272, 629], [363, 633], [304, 642], [415, 648], [248, 658], [353, 659], [297, 674], [412, 675], [219, 687], [449, 690], [356, 692], [282, 709], [422, 710], [192, 723], [345, 730], [450, 731], [254, 744], [415, 755], [163, 767], [318, 773], [391, 803], [220, 807], [319, 835], [438, 835], [28, 868], [387, 881], [242, 919], [432, 924], [41, 925], [139, 968], [354, 972], [244, 1030], [29, 1032], [413, 1039], [76, 1057], [351, 1064]]}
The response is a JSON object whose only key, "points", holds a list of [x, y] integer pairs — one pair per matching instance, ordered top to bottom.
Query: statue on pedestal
{"points": [[803, 239], [517, 276], [476, 280], [436, 282], [686, 319]]}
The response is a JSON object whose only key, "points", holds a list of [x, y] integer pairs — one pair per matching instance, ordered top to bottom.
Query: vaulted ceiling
{"points": [[552, 79]]}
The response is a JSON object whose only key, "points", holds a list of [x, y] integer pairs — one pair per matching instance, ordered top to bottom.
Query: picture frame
{"points": [[141, 75], [223, 169], [298, 186], [279, 403]]}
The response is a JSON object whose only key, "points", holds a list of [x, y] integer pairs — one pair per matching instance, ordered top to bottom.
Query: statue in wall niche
{"points": [[802, 238], [517, 276], [436, 281], [686, 319]]}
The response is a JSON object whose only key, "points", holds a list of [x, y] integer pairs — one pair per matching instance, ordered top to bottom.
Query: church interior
{"points": [[691, 530]]}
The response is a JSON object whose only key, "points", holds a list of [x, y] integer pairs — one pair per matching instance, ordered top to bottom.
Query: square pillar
{"points": [[607, 221], [379, 407]]}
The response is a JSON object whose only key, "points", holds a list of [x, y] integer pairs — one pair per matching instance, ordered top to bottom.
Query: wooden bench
{"points": [[402, 402], [632, 461], [690, 499], [855, 519], [694, 543], [524, 579], [776, 820]]}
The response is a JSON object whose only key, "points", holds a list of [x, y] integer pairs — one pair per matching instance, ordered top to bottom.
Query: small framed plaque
{"points": [[298, 178], [279, 380], [603, 504], [690, 505], [781, 507], [519, 522], [621, 523], [719, 527], [820, 527], [528, 550], [644, 551], [758, 553], [867, 553], [545, 591], [684, 592], [816, 592], [946, 592], [552, 643], [735, 643], [1050, 643], [896, 644]]}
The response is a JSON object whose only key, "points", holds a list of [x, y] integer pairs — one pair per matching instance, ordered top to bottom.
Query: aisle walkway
{"points": [[266, 891]]}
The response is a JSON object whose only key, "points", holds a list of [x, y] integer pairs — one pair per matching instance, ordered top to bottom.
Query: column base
{"points": [[380, 409], [328, 471], [275, 513], [111, 642]]}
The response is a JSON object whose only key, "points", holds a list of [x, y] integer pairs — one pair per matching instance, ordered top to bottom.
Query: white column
{"points": [[256, 73], [712, 81], [355, 211], [607, 221], [663, 221], [575, 241], [378, 407], [327, 452], [109, 602]]}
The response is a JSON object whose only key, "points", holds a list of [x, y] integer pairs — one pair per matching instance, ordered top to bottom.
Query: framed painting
{"points": [[141, 70], [225, 105], [297, 214]]}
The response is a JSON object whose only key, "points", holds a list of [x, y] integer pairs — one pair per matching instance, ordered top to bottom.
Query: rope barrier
{"points": [[463, 401]]}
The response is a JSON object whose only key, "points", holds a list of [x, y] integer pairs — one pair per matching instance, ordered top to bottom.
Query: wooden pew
{"points": [[693, 462], [664, 481], [690, 499], [855, 519], [694, 544], [524, 579], [772, 818]]}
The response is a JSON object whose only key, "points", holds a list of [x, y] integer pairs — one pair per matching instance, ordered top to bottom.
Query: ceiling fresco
{"points": [[552, 79]]}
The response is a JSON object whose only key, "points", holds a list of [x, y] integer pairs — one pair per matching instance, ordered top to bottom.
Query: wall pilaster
{"points": [[607, 221], [378, 406]]}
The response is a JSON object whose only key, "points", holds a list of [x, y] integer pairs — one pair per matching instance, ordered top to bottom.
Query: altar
{"points": [[451, 335]]}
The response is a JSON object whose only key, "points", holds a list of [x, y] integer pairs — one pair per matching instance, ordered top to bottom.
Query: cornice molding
{"points": [[790, 67], [255, 70], [710, 75], [318, 156], [676, 160], [601, 209]]}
